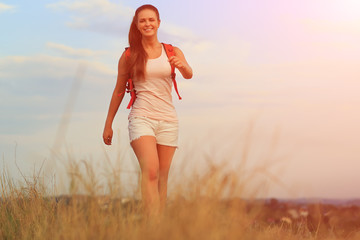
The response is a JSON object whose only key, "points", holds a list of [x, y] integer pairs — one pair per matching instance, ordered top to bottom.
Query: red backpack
{"points": [[169, 49]]}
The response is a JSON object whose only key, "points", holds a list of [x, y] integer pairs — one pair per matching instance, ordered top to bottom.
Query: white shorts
{"points": [[165, 132]]}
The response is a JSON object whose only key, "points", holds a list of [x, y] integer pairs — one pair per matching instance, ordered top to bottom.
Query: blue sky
{"points": [[292, 66]]}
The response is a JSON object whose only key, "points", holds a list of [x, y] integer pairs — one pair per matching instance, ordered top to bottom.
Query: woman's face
{"points": [[148, 23]]}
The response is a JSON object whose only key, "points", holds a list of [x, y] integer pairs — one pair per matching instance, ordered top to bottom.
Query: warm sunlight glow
{"points": [[287, 70]]}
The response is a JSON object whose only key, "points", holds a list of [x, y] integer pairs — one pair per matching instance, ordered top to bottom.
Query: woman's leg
{"points": [[145, 149], [165, 154]]}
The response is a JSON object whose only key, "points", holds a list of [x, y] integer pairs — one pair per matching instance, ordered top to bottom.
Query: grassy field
{"points": [[195, 211]]}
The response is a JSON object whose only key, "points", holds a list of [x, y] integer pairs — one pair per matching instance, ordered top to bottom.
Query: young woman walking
{"points": [[153, 123]]}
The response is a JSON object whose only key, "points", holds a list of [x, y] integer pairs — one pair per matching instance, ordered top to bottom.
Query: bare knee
{"points": [[151, 175]]}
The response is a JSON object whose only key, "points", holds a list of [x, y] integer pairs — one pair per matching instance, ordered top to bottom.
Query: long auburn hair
{"points": [[138, 57]]}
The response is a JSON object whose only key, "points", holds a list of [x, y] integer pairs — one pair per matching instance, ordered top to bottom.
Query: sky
{"points": [[275, 87]]}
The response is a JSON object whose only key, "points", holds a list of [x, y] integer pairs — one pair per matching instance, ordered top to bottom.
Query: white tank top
{"points": [[153, 95]]}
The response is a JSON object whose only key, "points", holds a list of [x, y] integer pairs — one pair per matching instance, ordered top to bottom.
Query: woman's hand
{"points": [[175, 61], [180, 63], [116, 99], [107, 135]]}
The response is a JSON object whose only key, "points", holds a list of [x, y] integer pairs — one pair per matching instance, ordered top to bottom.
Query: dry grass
{"points": [[195, 211]]}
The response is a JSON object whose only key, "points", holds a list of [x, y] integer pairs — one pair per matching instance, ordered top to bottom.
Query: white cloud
{"points": [[4, 7], [94, 8], [97, 15], [114, 18], [177, 31], [178, 34], [67, 50], [24, 68], [34, 89]]}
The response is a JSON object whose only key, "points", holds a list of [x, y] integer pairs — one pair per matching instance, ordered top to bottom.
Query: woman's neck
{"points": [[150, 42]]}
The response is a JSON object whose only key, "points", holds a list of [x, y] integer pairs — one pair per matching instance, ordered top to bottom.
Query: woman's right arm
{"points": [[116, 99]]}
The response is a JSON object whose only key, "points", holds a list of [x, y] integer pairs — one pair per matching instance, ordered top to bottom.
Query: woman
{"points": [[153, 124]]}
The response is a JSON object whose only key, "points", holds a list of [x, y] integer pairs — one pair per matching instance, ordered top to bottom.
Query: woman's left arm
{"points": [[180, 63]]}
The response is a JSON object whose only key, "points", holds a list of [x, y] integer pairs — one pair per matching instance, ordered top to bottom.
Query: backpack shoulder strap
{"points": [[169, 49], [130, 85]]}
